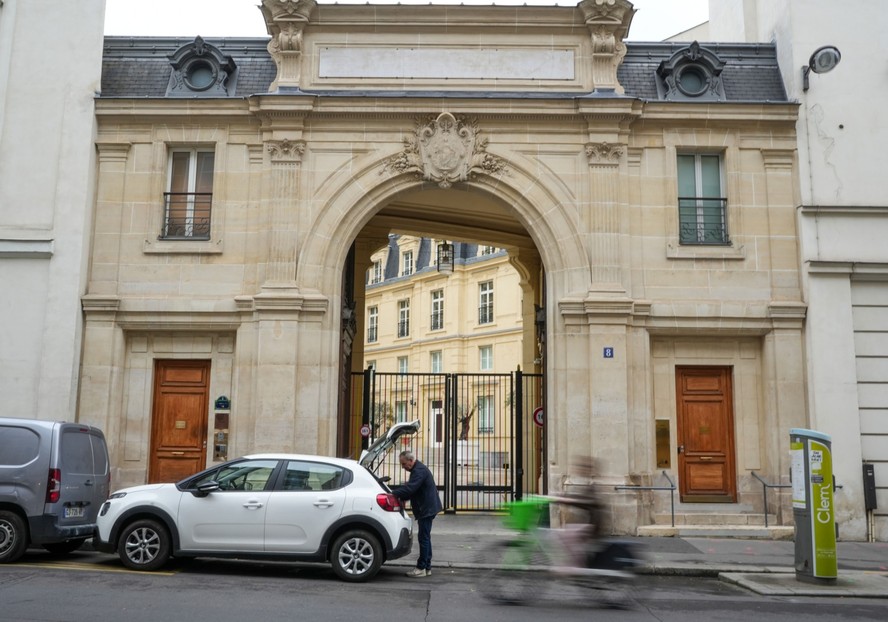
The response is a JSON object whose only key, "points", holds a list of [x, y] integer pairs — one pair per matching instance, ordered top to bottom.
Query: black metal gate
{"points": [[479, 436]]}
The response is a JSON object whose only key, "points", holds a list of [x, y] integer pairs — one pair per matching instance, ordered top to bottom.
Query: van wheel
{"points": [[13, 537], [144, 545], [63, 548], [356, 555]]}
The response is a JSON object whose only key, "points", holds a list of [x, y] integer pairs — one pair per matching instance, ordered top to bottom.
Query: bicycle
{"points": [[524, 566]]}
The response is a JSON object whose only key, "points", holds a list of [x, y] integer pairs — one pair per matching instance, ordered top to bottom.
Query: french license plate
{"points": [[74, 512]]}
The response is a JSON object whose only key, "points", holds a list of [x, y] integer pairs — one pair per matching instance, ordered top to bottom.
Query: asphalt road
{"points": [[89, 586]]}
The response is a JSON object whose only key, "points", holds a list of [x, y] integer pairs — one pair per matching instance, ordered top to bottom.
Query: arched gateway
{"points": [[644, 191]]}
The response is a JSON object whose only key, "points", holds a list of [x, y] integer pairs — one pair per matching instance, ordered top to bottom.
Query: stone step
{"points": [[715, 519], [756, 532]]}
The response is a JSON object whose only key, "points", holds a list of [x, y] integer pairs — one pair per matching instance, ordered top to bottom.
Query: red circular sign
{"points": [[538, 416], [365, 431]]}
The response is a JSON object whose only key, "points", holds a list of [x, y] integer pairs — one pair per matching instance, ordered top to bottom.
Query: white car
{"points": [[267, 506]]}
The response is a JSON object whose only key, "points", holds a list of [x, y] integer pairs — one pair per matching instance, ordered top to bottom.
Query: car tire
{"points": [[13, 536], [144, 545], [63, 548], [356, 555]]}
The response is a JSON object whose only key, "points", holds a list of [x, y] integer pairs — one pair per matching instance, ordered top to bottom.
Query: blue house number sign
{"points": [[608, 352]]}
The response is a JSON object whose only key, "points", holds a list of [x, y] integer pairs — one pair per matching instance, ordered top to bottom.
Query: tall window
{"points": [[190, 196], [701, 203], [487, 250], [406, 263], [376, 272], [485, 302], [403, 318], [437, 319], [372, 324], [486, 363], [402, 364], [436, 364], [400, 411], [485, 414]]}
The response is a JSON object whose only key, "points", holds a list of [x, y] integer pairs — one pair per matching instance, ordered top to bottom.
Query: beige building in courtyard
{"points": [[644, 195]]}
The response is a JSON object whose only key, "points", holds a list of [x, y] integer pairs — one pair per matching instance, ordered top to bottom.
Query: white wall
{"points": [[50, 69]]}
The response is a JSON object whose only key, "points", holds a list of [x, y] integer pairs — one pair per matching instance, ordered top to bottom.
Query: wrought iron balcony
{"points": [[186, 215], [703, 221], [437, 321], [404, 328]]}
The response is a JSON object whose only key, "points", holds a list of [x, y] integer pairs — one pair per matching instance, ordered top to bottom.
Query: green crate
{"points": [[525, 514]]}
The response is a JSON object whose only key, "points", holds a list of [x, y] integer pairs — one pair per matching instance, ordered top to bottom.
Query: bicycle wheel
{"points": [[511, 578]]}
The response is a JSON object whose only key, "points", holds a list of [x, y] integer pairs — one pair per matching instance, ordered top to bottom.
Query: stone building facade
{"points": [[645, 193]]}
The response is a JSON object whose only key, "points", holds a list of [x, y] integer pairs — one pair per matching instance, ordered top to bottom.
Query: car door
{"points": [[310, 498], [231, 518]]}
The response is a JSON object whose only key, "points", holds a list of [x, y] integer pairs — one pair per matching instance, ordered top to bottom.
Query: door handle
{"points": [[681, 449], [88, 482], [323, 503], [252, 505]]}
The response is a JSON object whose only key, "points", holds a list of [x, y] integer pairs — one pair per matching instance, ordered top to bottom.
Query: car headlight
{"points": [[117, 495]]}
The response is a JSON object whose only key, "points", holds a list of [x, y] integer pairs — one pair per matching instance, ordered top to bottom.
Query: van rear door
{"points": [[81, 490]]}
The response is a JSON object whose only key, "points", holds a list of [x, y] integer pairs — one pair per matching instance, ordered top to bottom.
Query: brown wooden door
{"points": [[179, 419], [705, 434]]}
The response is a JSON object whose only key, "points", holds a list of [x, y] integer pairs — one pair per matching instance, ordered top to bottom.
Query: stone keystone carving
{"points": [[285, 20], [445, 150]]}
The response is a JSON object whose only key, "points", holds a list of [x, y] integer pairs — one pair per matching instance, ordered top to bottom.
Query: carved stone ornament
{"points": [[285, 21], [608, 22], [200, 69], [286, 150], [445, 150], [603, 153]]}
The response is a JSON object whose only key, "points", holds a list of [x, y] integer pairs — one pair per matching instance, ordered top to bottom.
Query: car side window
{"points": [[246, 475], [304, 475]]}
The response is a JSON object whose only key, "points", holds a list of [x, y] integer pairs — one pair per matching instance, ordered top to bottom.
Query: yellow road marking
{"points": [[93, 567]]}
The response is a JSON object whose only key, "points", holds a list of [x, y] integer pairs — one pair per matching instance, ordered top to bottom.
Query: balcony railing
{"points": [[186, 215], [702, 220], [485, 314], [437, 321], [404, 328], [371, 334]]}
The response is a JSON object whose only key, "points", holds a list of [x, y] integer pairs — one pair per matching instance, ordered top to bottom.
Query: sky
{"points": [[654, 20]]}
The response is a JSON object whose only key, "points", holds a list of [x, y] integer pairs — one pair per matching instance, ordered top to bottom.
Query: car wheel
{"points": [[13, 537], [144, 545], [63, 548], [356, 555]]}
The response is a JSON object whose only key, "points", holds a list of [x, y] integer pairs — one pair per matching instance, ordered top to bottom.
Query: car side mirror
{"points": [[385, 479], [206, 488]]}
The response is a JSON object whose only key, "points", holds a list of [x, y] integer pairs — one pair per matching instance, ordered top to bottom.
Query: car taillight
{"points": [[54, 486], [388, 502]]}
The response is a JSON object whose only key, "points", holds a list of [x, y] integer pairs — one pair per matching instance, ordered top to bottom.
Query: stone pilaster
{"points": [[112, 159], [283, 193], [605, 216]]}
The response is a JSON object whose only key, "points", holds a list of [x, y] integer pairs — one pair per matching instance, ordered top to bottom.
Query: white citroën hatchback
{"points": [[283, 507]]}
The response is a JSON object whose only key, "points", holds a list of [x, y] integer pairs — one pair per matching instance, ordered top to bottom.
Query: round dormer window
{"points": [[200, 75], [692, 80]]}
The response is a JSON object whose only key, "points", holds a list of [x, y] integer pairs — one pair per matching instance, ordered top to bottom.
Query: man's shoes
{"points": [[419, 572]]}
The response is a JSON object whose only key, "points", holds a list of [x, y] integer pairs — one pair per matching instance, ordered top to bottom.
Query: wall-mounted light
{"points": [[823, 60], [445, 258]]}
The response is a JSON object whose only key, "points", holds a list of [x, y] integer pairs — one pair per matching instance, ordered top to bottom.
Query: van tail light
{"points": [[54, 486], [388, 502]]}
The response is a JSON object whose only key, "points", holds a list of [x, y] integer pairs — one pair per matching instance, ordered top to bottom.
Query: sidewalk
{"points": [[762, 566]]}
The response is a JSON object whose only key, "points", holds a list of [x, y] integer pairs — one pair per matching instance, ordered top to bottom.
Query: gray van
{"points": [[54, 477]]}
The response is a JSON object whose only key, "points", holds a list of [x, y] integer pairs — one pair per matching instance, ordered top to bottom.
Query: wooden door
{"points": [[179, 419], [705, 426]]}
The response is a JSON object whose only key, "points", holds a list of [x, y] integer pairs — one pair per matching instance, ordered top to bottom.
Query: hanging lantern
{"points": [[445, 258]]}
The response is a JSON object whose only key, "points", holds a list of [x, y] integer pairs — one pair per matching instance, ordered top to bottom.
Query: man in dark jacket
{"points": [[422, 493]]}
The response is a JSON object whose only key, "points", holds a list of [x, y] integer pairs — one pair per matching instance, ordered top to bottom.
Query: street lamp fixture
{"points": [[823, 60], [445, 258]]}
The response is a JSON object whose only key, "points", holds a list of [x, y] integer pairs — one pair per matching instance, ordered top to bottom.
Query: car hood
{"points": [[378, 449], [142, 488]]}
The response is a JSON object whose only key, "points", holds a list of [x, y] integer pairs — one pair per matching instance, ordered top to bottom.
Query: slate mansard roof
{"points": [[139, 67]]}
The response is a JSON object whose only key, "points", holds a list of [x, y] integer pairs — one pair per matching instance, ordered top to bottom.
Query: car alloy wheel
{"points": [[144, 545], [356, 555]]}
